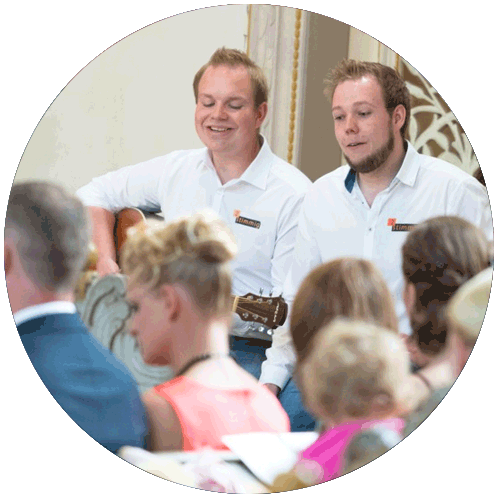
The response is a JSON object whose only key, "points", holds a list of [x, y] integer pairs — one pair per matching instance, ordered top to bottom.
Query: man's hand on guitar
{"points": [[107, 266]]}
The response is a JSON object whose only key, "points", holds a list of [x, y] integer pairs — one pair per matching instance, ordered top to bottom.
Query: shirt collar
{"points": [[258, 171], [407, 174], [350, 180], [32, 312]]}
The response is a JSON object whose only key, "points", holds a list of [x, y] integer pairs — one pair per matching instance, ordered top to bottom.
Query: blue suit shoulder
{"points": [[89, 382]]}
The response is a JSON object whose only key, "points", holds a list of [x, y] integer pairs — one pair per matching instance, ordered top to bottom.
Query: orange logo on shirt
{"points": [[236, 212], [391, 222]]}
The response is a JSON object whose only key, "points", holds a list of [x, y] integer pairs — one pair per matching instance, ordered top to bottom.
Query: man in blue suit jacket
{"points": [[46, 241]]}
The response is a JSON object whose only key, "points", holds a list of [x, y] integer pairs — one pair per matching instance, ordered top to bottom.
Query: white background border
{"points": [[44, 44]]}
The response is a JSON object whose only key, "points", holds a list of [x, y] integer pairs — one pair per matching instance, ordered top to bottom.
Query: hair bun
{"points": [[204, 236]]}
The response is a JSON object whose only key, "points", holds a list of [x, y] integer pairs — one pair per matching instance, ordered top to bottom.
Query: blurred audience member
{"points": [[46, 242], [439, 255], [350, 287], [180, 289], [464, 316], [355, 377], [369, 445]]}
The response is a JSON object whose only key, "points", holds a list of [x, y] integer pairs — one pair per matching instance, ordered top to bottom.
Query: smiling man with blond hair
{"points": [[237, 175]]}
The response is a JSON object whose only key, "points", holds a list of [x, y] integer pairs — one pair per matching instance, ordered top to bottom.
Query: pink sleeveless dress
{"points": [[206, 414]]}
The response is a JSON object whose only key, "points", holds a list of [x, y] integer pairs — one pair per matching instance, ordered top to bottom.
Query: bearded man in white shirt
{"points": [[256, 193], [366, 208]]}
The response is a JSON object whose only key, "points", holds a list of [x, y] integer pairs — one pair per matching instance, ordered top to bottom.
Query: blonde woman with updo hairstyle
{"points": [[439, 255], [179, 288], [356, 376]]}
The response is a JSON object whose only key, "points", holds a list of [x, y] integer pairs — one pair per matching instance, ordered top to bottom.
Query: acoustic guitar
{"points": [[268, 311]]}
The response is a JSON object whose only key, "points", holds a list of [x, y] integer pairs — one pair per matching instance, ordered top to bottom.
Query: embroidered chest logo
{"points": [[246, 222], [402, 226]]}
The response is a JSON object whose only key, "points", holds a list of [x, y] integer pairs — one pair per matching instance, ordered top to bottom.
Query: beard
{"points": [[376, 159]]}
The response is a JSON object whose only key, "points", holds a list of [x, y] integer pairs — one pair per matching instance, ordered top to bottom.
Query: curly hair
{"points": [[394, 89], [193, 251], [439, 255], [355, 370]]}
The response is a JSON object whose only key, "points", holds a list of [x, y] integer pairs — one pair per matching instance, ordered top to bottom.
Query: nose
{"points": [[220, 111], [351, 124]]}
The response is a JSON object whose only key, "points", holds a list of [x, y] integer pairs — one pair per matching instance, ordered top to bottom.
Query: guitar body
{"points": [[125, 219]]}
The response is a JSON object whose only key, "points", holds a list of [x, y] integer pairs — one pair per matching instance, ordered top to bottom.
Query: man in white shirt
{"points": [[256, 193], [366, 207], [46, 243]]}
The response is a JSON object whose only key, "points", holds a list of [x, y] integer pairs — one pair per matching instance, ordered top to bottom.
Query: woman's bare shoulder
{"points": [[166, 431]]}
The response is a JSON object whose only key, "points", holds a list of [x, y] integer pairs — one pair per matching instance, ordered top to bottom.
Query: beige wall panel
{"points": [[327, 44], [133, 102]]}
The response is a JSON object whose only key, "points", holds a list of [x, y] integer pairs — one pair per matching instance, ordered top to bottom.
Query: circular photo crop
{"points": [[248, 249]]}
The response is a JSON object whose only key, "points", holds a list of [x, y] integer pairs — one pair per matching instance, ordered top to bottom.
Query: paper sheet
{"points": [[269, 454]]}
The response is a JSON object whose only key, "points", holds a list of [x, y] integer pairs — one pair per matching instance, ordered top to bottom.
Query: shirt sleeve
{"points": [[133, 186], [472, 203], [280, 363]]}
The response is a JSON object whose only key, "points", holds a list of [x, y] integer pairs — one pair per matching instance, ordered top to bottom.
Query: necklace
{"points": [[199, 359]]}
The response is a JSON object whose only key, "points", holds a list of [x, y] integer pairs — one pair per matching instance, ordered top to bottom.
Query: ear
{"points": [[261, 114], [399, 116], [7, 259], [410, 298], [171, 301]]}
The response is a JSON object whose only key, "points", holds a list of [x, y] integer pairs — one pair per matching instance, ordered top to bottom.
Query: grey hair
{"points": [[52, 233]]}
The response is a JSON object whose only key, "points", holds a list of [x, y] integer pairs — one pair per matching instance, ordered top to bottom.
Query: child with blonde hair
{"points": [[180, 291], [355, 377]]}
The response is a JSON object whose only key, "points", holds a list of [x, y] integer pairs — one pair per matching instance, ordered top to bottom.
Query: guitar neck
{"points": [[268, 311]]}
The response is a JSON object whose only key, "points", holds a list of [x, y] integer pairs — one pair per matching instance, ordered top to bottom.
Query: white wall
{"points": [[132, 102]]}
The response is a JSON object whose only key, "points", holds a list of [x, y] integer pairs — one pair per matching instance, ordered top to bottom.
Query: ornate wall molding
{"points": [[277, 42], [433, 129], [105, 311]]}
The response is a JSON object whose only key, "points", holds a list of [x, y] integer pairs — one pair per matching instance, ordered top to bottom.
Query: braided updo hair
{"points": [[193, 251], [438, 256]]}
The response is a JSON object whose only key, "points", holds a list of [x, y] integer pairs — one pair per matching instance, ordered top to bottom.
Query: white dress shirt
{"points": [[268, 194], [336, 221]]}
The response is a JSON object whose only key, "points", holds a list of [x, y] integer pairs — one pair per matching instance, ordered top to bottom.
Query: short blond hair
{"points": [[234, 58], [193, 251], [352, 365]]}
